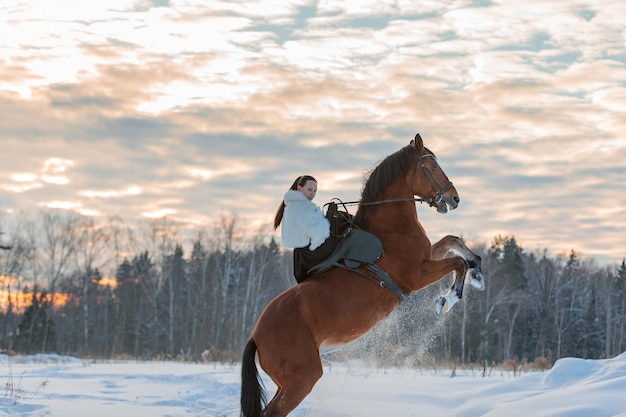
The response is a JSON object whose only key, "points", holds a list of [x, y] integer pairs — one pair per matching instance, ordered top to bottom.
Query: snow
{"points": [[61, 386]]}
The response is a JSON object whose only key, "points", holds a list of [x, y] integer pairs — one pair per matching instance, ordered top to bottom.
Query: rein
{"points": [[391, 200], [431, 201]]}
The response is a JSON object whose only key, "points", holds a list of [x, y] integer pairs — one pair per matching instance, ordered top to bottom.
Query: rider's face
{"points": [[309, 189]]}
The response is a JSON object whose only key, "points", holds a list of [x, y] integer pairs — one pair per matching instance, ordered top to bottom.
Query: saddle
{"points": [[355, 248]]}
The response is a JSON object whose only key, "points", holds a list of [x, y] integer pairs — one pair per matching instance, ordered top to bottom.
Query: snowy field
{"points": [[56, 386]]}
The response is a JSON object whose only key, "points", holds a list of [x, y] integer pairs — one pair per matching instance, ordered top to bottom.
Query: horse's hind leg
{"points": [[295, 380], [290, 394]]}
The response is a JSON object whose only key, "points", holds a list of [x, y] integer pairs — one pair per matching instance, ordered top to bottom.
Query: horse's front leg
{"points": [[453, 244], [436, 269], [473, 271]]}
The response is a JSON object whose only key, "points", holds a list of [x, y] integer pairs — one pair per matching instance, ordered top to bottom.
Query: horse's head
{"points": [[428, 180]]}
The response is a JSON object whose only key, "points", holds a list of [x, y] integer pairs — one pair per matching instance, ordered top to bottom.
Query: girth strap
{"points": [[387, 282]]}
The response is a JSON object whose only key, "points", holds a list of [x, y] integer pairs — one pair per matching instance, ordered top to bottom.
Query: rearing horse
{"points": [[337, 307]]}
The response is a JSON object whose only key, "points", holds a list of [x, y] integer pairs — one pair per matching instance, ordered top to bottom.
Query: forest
{"points": [[162, 290]]}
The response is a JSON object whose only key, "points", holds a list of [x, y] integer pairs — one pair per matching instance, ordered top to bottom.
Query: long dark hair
{"points": [[281, 209]]}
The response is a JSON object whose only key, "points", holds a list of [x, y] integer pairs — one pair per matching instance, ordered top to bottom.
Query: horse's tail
{"points": [[252, 395]]}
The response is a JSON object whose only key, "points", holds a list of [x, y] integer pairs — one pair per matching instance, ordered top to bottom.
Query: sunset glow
{"points": [[20, 299]]}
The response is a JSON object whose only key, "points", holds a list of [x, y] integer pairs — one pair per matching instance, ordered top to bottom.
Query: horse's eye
{"points": [[434, 166]]}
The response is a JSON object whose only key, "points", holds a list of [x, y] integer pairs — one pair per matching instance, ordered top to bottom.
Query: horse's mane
{"points": [[389, 170]]}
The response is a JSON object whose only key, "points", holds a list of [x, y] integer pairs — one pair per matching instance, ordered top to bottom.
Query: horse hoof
{"points": [[477, 280], [446, 302], [440, 305]]}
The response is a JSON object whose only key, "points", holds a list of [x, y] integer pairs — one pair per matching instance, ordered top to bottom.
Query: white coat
{"points": [[303, 222]]}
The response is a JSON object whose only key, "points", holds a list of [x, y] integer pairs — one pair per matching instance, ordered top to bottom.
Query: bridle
{"points": [[431, 179], [432, 202]]}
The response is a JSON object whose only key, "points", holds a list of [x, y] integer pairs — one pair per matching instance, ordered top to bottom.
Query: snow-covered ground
{"points": [[56, 386]]}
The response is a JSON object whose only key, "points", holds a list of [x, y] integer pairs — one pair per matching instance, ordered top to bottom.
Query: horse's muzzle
{"points": [[448, 201]]}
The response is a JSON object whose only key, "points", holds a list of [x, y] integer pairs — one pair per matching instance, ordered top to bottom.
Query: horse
{"points": [[335, 308]]}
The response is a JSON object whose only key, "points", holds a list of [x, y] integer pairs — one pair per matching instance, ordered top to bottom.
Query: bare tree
{"points": [[162, 236], [91, 240], [59, 244], [5, 247], [58, 247], [259, 259], [13, 260], [224, 278], [564, 286]]}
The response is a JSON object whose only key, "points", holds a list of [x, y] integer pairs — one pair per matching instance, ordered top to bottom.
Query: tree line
{"points": [[72, 285], [535, 308]]}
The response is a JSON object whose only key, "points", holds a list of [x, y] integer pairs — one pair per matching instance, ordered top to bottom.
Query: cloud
{"points": [[189, 109], [57, 165], [25, 177], [55, 179], [20, 188], [131, 190], [66, 205], [157, 214]]}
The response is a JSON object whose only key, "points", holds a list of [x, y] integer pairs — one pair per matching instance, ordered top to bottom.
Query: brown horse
{"points": [[337, 307]]}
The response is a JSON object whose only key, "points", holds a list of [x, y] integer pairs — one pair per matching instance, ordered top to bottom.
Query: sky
{"points": [[197, 110], [61, 386]]}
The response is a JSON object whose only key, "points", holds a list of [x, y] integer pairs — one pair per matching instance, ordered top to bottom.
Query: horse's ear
{"points": [[418, 143]]}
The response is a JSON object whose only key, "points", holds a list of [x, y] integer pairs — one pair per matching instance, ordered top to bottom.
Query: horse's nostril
{"points": [[456, 198]]}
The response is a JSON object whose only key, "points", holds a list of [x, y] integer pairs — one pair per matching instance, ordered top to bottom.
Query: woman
{"points": [[304, 226]]}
